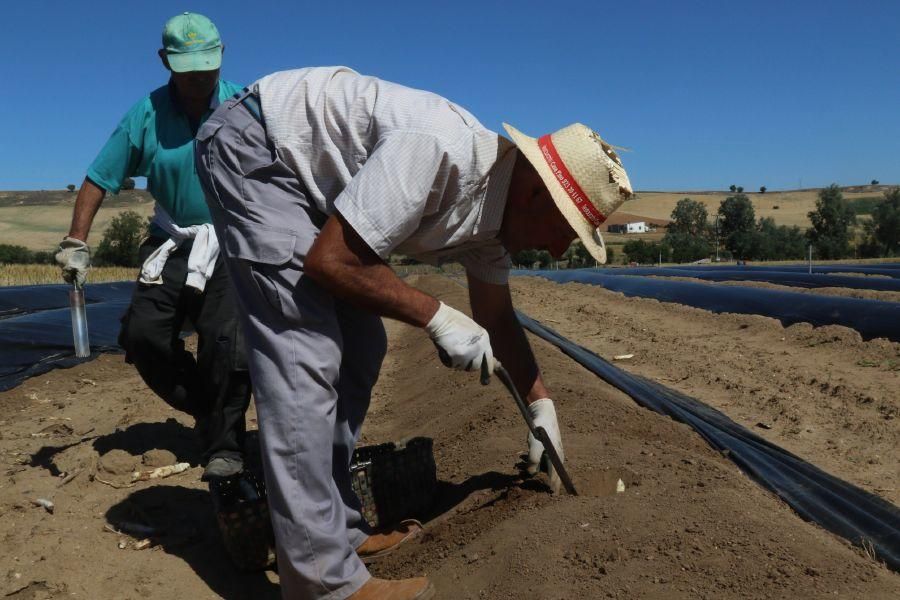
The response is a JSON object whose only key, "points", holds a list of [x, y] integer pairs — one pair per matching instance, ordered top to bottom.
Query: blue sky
{"points": [[705, 93]]}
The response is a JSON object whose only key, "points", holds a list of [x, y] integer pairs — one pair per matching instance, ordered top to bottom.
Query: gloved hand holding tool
{"points": [[74, 257], [461, 342], [464, 344], [543, 434]]}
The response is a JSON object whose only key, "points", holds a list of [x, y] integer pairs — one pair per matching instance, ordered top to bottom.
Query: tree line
{"points": [[736, 233]]}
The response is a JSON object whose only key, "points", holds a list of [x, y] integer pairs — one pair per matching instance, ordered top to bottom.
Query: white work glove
{"points": [[74, 257], [461, 342], [544, 415]]}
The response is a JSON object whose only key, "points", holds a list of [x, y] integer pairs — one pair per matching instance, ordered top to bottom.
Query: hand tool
{"points": [[538, 432]]}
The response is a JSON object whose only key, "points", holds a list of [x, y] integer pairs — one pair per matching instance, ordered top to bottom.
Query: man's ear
{"points": [[164, 58]]}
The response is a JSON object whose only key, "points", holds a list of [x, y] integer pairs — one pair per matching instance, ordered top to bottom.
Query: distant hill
{"points": [[789, 207], [38, 220]]}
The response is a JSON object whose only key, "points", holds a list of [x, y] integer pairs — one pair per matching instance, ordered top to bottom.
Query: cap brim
{"points": [[203, 60], [587, 233]]}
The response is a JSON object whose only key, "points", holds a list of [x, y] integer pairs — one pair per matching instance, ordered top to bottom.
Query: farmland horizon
{"points": [[38, 219]]}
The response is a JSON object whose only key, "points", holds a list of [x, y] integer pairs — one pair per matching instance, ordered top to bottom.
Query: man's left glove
{"points": [[74, 257], [543, 414]]}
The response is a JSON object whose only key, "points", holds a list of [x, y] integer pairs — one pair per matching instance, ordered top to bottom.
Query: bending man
{"points": [[313, 178]]}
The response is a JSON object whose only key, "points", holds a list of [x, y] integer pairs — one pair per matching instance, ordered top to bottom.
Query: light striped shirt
{"points": [[410, 171]]}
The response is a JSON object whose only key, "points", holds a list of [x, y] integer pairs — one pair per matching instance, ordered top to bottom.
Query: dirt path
{"points": [[689, 524]]}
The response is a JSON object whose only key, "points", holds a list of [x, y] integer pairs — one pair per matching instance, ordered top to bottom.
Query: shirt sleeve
{"points": [[120, 156], [398, 185], [489, 263]]}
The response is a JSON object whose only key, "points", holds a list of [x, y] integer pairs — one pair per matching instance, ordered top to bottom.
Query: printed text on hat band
{"points": [[568, 183]]}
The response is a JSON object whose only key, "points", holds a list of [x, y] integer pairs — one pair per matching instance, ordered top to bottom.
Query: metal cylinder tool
{"points": [[79, 322]]}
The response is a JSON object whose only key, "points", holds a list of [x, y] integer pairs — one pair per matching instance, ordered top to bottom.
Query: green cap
{"points": [[192, 43]]}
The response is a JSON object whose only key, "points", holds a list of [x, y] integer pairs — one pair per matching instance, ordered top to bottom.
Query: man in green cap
{"points": [[182, 275]]}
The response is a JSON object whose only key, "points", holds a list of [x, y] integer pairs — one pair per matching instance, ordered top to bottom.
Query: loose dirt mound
{"points": [[688, 524]]}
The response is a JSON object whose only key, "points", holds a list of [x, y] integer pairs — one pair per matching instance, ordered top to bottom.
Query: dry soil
{"points": [[688, 525]]}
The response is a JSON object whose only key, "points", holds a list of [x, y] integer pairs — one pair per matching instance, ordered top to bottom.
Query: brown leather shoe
{"points": [[385, 542], [418, 588]]}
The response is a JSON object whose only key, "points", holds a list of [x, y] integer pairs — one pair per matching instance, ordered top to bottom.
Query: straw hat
{"points": [[585, 177]]}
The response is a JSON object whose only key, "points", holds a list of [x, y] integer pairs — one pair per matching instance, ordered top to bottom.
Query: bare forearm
{"points": [[89, 199], [341, 262], [377, 289], [492, 308], [511, 347]]}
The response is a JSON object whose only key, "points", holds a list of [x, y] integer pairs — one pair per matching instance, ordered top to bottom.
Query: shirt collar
{"points": [[214, 100], [498, 186]]}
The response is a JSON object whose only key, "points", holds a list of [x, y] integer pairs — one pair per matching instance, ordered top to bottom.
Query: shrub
{"points": [[864, 206], [689, 217], [831, 224], [737, 225], [882, 233], [688, 234], [122, 240], [778, 242], [686, 247], [640, 251], [14, 254], [578, 256]]}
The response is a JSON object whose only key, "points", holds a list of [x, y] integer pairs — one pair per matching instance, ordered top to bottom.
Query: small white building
{"points": [[636, 227]]}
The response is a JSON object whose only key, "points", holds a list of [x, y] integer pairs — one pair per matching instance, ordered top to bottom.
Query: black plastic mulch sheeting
{"points": [[888, 269], [793, 278], [22, 299], [871, 318], [38, 335], [843, 509]]}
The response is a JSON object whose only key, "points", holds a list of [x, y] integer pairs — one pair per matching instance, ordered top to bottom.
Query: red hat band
{"points": [[568, 183]]}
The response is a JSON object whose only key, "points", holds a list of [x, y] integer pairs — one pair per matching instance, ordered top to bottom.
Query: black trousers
{"points": [[214, 387]]}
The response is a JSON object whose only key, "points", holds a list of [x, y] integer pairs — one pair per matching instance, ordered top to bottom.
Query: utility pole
{"points": [[717, 237], [810, 259]]}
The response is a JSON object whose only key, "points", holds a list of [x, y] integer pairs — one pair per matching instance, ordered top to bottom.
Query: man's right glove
{"points": [[74, 257], [461, 342], [543, 413]]}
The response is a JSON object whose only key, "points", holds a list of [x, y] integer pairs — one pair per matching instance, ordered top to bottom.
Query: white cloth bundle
{"points": [[201, 261]]}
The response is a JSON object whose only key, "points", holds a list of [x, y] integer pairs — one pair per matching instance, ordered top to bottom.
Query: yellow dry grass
{"points": [[793, 206], [41, 227], [40, 274]]}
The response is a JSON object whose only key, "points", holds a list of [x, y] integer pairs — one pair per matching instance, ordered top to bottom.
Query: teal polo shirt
{"points": [[155, 139]]}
